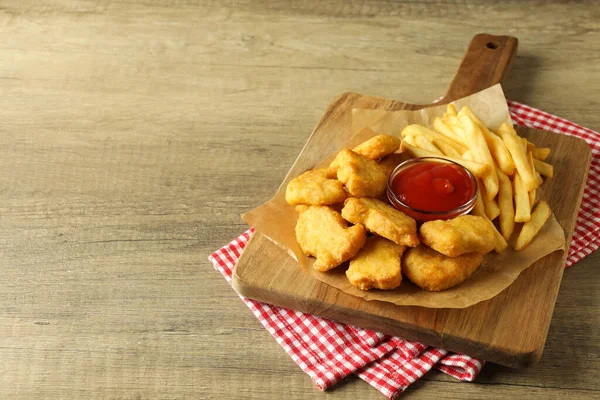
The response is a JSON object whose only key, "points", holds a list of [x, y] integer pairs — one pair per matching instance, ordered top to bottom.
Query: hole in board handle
{"points": [[491, 45]]}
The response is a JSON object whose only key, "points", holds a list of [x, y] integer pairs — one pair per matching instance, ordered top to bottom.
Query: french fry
{"points": [[451, 109], [440, 126], [456, 126], [416, 130], [410, 139], [424, 143], [496, 145], [524, 145], [530, 146], [515, 147], [446, 149], [481, 153], [541, 153], [467, 155], [543, 168], [477, 169], [538, 178], [532, 197], [505, 203], [491, 207], [522, 207], [479, 210], [531, 228]]}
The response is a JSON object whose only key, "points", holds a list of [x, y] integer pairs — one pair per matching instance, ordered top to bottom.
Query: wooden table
{"points": [[134, 134]]}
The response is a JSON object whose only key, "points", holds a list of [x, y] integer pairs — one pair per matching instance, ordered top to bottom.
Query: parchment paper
{"points": [[277, 220]]}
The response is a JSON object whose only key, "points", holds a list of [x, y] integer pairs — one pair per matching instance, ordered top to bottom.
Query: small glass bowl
{"points": [[424, 215]]}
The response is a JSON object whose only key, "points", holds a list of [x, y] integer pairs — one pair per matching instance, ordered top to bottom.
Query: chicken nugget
{"points": [[378, 146], [375, 148], [390, 162], [361, 176], [314, 188], [382, 219], [324, 234], [464, 234], [377, 265], [434, 272]]}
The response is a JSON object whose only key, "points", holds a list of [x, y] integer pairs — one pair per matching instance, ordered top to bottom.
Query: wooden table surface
{"points": [[134, 133]]}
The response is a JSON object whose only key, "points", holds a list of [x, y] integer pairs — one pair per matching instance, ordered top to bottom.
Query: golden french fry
{"points": [[451, 109], [440, 126], [456, 126], [416, 130], [410, 139], [424, 143], [524, 144], [496, 145], [530, 146], [515, 147], [446, 149], [481, 153], [541, 153], [467, 155], [531, 166], [543, 168], [477, 169], [538, 179], [532, 197], [505, 203], [491, 207], [522, 207], [479, 210], [531, 228]]}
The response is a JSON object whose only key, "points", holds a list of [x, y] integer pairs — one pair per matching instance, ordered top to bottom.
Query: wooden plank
{"points": [[486, 330]]}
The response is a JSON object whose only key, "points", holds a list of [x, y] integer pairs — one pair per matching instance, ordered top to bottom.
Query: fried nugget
{"points": [[378, 146], [375, 148], [388, 163], [361, 176], [314, 188], [382, 219], [324, 234], [461, 235], [377, 265], [434, 272]]}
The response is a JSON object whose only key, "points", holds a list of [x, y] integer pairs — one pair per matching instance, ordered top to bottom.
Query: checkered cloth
{"points": [[329, 351]]}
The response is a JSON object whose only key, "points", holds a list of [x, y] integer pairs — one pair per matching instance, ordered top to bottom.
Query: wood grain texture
{"points": [[134, 133]]}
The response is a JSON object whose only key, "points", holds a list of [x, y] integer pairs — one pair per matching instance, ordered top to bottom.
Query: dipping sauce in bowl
{"points": [[431, 188]]}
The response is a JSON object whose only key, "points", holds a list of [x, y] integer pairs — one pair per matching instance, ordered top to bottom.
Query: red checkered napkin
{"points": [[329, 351]]}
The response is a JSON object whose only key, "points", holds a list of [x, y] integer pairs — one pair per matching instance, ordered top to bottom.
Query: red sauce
{"points": [[433, 187]]}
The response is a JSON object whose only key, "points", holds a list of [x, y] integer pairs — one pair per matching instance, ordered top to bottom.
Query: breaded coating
{"points": [[378, 146], [375, 148], [388, 163], [361, 176], [315, 188], [301, 208], [382, 219], [323, 233], [461, 235], [377, 265], [433, 271]]}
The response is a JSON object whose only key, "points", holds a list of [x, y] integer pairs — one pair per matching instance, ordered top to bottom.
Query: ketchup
{"points": [[433, 187]]}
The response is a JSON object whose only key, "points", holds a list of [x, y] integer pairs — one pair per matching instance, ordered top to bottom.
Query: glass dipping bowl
{"points": [[427, 215]]}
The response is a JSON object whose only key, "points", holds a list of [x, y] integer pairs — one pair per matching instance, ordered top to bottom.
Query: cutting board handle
{"points": [[485, 64]]}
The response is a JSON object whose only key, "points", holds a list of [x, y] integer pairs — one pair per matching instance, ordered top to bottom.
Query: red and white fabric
{"points": [[329, 351]]}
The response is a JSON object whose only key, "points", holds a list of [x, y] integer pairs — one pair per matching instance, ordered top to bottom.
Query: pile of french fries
{"points": [[509, 169]]}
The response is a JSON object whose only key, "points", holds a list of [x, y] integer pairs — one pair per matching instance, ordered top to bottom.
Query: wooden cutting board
{"points": [[511, 328]]}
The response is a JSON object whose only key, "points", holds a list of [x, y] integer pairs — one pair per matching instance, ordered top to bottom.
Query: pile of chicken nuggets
{"points": [[344, 216]]}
